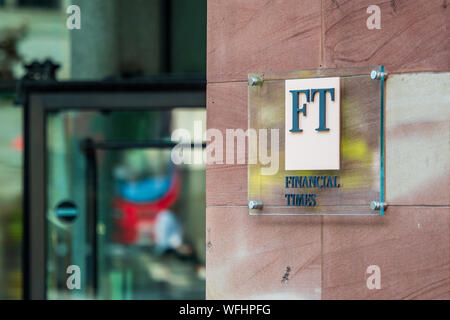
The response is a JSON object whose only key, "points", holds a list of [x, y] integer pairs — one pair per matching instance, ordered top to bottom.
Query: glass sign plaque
{"points": [[316, 144]]}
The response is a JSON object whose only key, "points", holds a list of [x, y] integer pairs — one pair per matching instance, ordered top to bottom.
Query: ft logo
{"points": [[312, 124]]}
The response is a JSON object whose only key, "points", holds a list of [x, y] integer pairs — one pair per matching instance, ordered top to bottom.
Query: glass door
{"points": [[123, 220]]}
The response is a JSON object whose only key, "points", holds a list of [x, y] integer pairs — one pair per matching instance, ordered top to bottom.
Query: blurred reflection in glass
{"points": [[150, 227]]}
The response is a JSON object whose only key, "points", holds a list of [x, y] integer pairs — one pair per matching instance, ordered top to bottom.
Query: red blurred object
{"points": [[17, 144], [133, 213]]}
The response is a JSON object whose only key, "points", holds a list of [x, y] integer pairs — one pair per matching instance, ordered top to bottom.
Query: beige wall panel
{"points": [[254, 35], [413, 36], [418, 139], [411, 246], [248, 257]]}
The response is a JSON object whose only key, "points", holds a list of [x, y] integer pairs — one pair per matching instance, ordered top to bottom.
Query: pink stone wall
{"points": [[326, 257]]}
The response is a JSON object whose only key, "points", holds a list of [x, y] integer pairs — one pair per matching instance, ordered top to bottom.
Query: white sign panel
{"points": [[312, 118]]}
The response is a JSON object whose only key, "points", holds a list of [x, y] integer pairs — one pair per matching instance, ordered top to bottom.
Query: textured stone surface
{"points": [[255, 35], [413, 35], [418, 139], [226, 184], [411, 246], [248, 257]]}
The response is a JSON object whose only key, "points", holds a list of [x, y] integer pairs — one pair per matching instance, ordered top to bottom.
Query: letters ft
{"points": [[310, 93]]}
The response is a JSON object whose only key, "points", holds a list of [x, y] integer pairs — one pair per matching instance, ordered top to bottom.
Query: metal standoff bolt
{"points": [[377, 75], [255, 81], [255, 204], [377, 205]]}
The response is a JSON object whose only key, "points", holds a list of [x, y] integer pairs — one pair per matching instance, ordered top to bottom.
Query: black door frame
{"points": [[42, 97]]}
